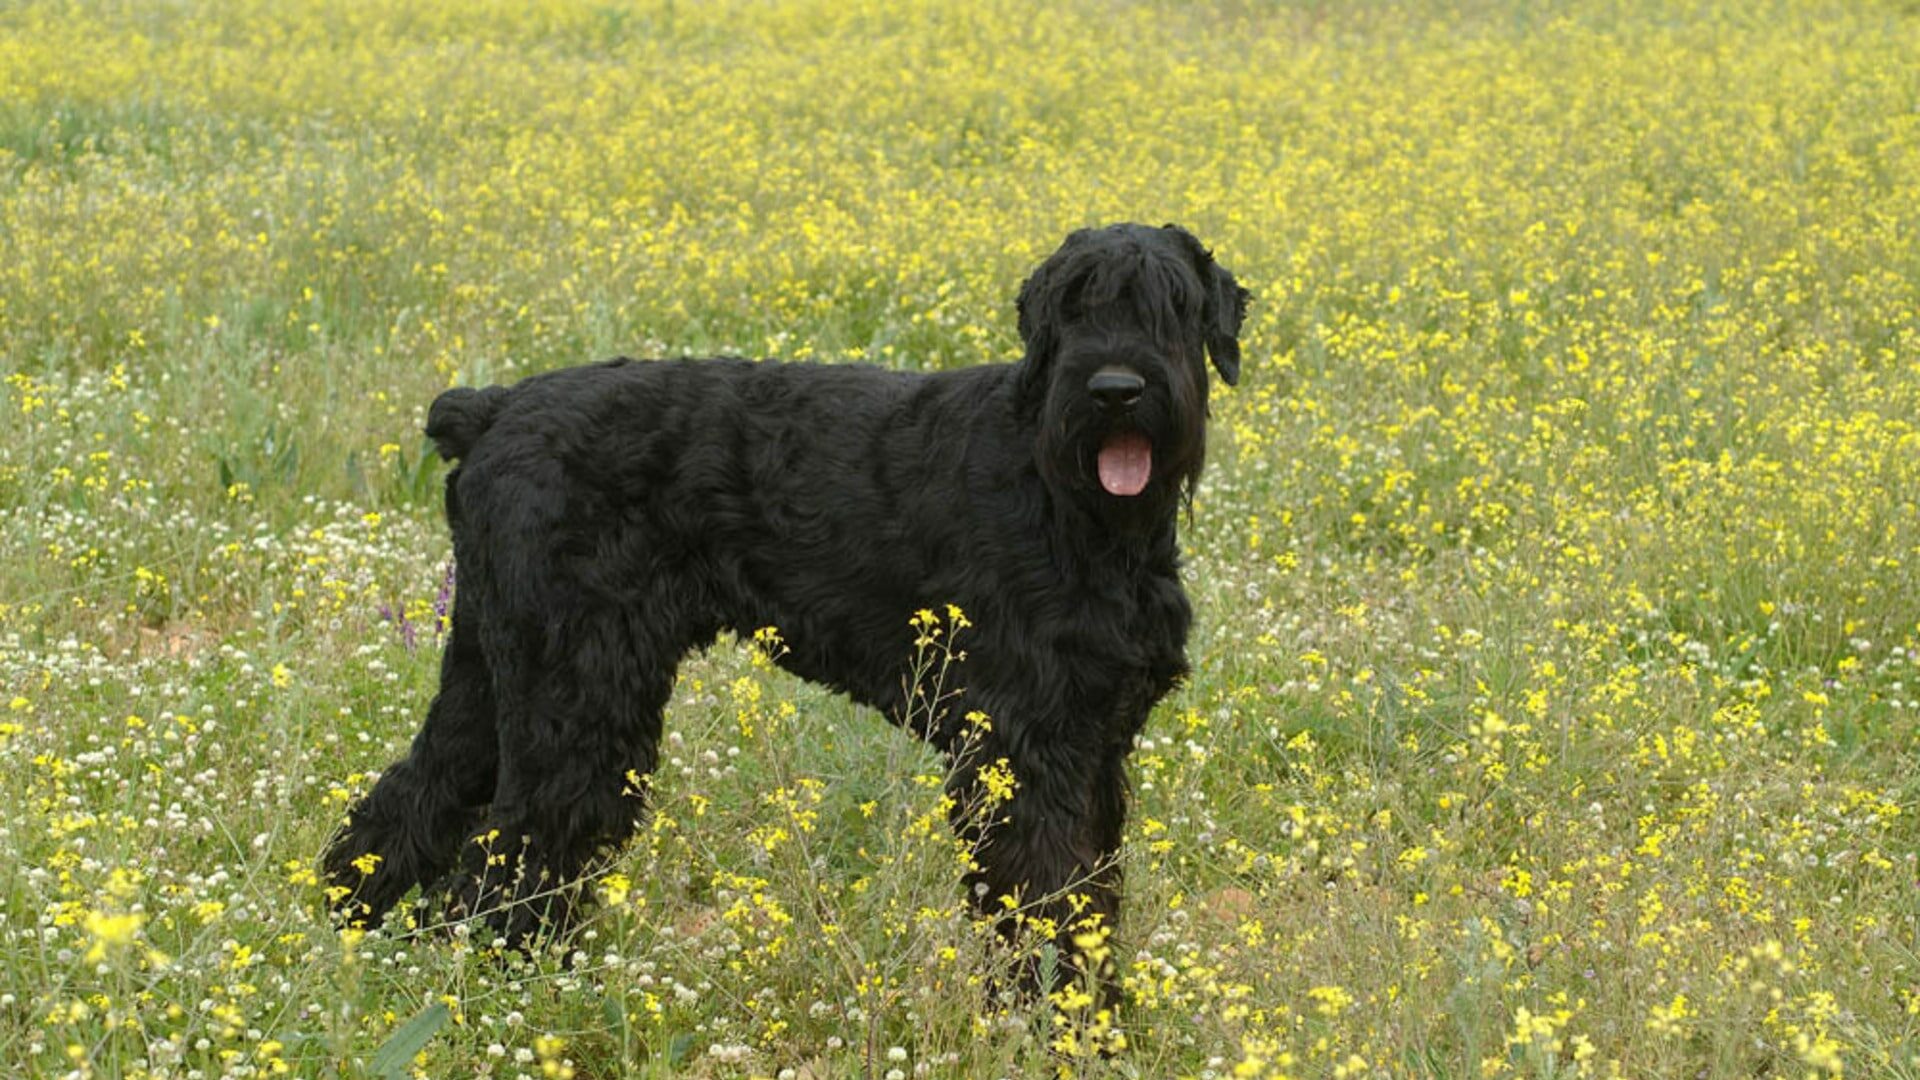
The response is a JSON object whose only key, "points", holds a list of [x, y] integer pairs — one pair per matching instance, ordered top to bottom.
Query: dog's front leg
{"points": [[1044, 822]]}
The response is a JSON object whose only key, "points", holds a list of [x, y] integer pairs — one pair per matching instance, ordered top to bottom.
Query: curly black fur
{"points": [[608, 519]]}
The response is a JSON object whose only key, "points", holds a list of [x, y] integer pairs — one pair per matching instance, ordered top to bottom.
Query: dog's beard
{"points": [[1125, 463]]}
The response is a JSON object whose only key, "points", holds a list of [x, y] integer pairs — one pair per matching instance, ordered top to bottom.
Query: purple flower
{"points": [[443, 603]]}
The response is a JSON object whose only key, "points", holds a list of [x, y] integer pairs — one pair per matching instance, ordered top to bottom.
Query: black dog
{"points": [[608, 519]]}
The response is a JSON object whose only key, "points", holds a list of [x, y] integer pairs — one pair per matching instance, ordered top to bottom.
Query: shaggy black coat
{"points": [[608, 519]]}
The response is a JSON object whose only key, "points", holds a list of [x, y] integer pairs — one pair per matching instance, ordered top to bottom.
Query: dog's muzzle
{"points": [[1126, 455]]}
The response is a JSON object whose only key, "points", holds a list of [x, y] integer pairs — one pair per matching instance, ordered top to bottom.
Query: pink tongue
{"points": [[1126, 461]]}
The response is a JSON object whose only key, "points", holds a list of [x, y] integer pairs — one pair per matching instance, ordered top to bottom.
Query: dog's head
{"points": [[1119, 325]]}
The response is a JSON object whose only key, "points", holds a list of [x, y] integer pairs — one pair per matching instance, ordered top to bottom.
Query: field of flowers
{"points": [[1556, 704]]}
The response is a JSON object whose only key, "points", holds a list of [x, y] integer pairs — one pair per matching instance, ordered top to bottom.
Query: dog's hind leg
{"points": [[579, 738], [407, 830]]}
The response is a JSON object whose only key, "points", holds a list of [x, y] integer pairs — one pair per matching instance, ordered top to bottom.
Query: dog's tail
{"points": [[460, 416]]}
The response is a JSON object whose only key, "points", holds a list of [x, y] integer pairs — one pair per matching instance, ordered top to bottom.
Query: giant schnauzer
{"points": [[607, 519]]}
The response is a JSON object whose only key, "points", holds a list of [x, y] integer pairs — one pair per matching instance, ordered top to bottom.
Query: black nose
{"points": [[1116, 387]]}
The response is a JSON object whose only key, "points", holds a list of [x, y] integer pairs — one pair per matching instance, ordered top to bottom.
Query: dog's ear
{"points": [[1038, 305], [1223, 308], [1226, 310], [1035, 324]]}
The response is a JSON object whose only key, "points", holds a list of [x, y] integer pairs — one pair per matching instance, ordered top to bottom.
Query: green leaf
{"points": [[357, 477], [615, 1012], [678, 1046], [390, 1061]]}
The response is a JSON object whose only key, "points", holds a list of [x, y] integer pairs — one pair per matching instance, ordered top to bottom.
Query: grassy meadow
{"points": [[1556, 696]]}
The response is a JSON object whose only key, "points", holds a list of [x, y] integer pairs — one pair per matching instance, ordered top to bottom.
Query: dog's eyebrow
{"points": [[1163, 296]]}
